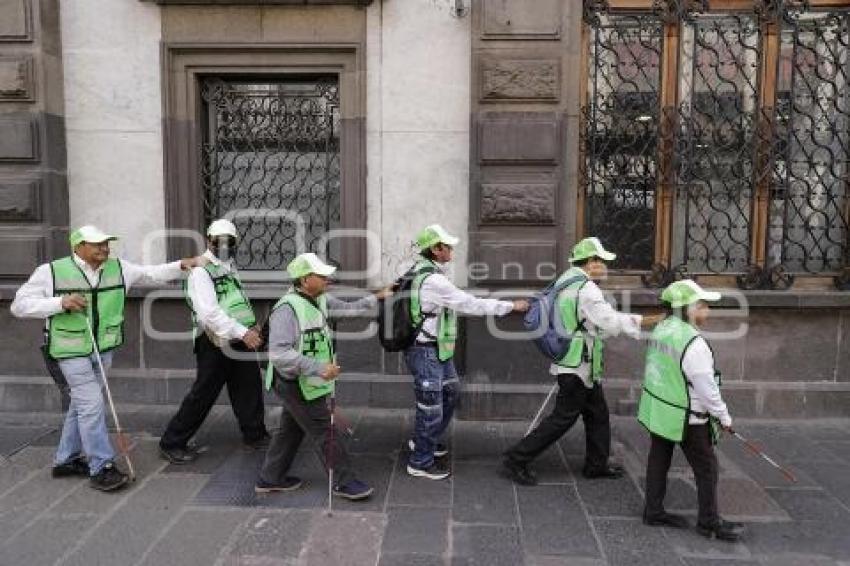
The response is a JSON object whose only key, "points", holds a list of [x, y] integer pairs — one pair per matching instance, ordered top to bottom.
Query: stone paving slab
{"points": [[13, 438], [471, 442], [407, 490], [481, 495], [614, 498], [29, 499], [810, 505], [207, 513], [554, 521], [130, 528], [416, 530], [205, 531], [270, 537], [344, 539], [46, 540], [627, 542], [685, 544], [486, 545], [408, 559]]}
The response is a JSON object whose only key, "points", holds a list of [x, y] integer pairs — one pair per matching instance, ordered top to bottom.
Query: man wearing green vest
{"points": [[87, 290], [434, 304], [588, 318], [224, 339], [302, 369], [681, 404]]}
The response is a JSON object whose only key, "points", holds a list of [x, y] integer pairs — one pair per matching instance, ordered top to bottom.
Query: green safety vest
{"points": [[230, 297], [568, 308], [67, 332], [446, 337], [314, 341], [665, 401]]}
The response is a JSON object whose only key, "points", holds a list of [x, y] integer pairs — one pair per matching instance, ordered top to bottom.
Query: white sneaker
{"points": [[440, 451], [435, 472]]}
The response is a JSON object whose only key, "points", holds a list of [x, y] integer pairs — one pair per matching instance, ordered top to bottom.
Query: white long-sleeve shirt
{"points": [[437, 292], [35, 297], [209, 315], [602, 320], [698, 366]]}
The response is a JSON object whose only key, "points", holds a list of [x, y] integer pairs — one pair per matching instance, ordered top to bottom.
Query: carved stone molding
{"points": [[264, 2], [515, 19], [15, 21], [17, 80], [520, 80], [519, 137], [18, 138], [20, 200], [517, 203]]}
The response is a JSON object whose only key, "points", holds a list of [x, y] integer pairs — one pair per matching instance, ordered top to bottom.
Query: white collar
{"points": [[212, 257], [216, 261], [82, 264]]}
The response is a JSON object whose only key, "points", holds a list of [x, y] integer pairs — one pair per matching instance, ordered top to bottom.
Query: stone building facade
{"points": [[700, 138]]}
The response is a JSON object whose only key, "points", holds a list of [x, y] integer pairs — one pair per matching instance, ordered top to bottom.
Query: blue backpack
{"points": [[544, 321]]}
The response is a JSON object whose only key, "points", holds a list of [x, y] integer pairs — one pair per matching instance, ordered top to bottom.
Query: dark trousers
{"points": [[215, 370], [573, 400], [300, 418], [699, 451]]}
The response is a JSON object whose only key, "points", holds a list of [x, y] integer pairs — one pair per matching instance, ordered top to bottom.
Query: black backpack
{"points": [[396, 330]]}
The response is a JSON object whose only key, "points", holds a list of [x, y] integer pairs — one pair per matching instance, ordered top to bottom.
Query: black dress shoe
{"points": [[261, 443], [179, 456], [75, 467], [611, 472], [519, 473], [109, 478], [289, 483], [666, 519], [722, 530]]}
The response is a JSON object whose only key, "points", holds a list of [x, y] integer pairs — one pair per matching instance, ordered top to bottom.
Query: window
{"points": [[716, 138], [271, 150]]}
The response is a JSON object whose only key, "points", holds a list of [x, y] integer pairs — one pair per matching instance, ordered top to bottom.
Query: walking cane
{"points": [[540, 411], [123, 443], [331, 446], [755, 450]]}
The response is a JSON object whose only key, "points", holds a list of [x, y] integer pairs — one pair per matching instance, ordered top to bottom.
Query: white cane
{"points": [[540, 411], [123, 445], [331, 447]]}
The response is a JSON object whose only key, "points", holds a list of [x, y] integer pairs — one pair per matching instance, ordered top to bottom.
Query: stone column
{"points": [[526, 73], [33, 187]]}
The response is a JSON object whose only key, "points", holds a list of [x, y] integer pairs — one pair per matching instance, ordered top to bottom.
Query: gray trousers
{"points": [[300, 418]]}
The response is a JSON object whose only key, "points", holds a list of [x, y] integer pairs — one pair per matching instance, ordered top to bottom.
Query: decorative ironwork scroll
{"points": [[271, 157]]}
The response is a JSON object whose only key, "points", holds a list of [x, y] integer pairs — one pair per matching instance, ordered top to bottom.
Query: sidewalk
{"points": [[207, 513]]}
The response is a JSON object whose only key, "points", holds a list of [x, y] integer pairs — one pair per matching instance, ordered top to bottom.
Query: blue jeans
{"points": [[437, 389], [85, 429]]}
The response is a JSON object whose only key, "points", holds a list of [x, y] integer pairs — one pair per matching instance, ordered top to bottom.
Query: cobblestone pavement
{"points": [[207, 513]]}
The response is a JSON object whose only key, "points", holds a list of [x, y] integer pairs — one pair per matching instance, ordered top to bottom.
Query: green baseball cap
{"points": [[90, 234], [433, 235], [591, 247], [308, 263], [686, 292]]}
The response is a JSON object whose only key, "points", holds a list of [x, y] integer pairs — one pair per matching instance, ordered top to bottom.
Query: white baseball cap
{"points": [[222, 227]]}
